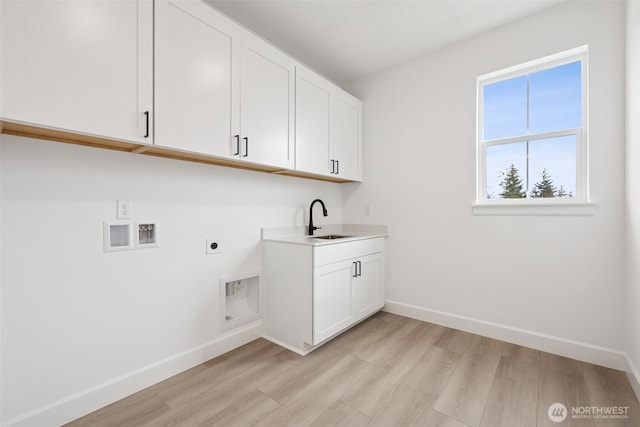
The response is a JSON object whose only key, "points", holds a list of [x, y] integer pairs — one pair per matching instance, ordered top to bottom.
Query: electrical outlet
{"points": [[124, 209], [367, 210], [213, 246]]}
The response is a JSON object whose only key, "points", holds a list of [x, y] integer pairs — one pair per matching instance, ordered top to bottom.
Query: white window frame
{"points": [[579, 204]]}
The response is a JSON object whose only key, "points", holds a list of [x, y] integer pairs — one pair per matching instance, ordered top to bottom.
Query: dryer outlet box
{"points": [[213, 246]]}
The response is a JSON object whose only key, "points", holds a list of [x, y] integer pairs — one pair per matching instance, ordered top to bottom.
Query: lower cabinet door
{"points": [[368, 286], [332, 299]]}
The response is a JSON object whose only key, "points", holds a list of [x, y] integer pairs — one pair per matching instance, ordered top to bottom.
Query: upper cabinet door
{"points": [[197, 58], [81, 66], [266, 104], [312, 123], [328, 128], [346, 135]]}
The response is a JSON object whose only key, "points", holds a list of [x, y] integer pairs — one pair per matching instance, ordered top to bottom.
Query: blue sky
{"points": [[554, 103]]}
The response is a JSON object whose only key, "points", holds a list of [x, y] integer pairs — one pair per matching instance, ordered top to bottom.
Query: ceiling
{"points": [[348, 39]]}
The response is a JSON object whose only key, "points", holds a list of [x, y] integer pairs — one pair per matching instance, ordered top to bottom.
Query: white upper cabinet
{"points": [[197, 54], [79, 66], [175, 76], [219, 90], [313, 96], [266, 104], [345, 127], [328, 128]]}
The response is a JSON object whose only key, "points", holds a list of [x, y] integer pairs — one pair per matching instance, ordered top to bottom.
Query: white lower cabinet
{"points": [[367, 286], [314, 293], [332, 299]]}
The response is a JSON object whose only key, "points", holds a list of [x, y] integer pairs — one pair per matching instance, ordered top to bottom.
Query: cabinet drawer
{"points": [[342, 251]]}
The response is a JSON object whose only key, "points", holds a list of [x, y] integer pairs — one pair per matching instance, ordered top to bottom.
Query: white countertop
{"points": [[298, 235]]}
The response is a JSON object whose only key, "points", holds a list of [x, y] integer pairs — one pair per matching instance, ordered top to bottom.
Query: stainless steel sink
{"points": [[331, 237]]}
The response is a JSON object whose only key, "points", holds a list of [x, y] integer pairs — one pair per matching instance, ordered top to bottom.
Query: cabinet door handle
{"points": [[146, 119], [237, 137], [246, 146], [333, 166], [337, 167], [355, 268], [359, 268]]}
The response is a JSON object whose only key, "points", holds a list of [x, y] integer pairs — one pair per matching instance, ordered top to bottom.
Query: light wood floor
{"points": [[388, 371]]}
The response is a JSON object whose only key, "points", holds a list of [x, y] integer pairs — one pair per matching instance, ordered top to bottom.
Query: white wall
{"points": [[633, 190], [551, 282], [81, 327]]}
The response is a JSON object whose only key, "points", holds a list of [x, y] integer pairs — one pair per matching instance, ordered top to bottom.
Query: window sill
{"points": [[539, 209]]}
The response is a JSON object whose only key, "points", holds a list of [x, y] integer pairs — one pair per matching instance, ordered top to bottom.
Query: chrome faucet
{"points": [[324, 212]]}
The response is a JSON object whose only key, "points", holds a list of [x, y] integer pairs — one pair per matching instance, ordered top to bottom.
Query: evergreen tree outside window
{"points": [[532, 139], [512, 184]]}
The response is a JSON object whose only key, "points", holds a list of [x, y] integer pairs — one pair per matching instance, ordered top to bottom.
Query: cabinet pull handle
{"points": [[146, 118], [237, 137], [246, 146], [333, 166], [337, 167], [359, 268], [355, 269]]}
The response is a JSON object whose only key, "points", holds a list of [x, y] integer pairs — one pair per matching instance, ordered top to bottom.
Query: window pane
{"points": [[555, 99], [505, 108], [558, 157], [499, 160]]}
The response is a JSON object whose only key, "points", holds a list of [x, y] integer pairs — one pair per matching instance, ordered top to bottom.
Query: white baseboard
{"points": [[585, 352], [634, 376], [87, 401]]}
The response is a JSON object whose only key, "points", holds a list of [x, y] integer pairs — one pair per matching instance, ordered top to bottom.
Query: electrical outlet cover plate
{"points": [[124, 208]]}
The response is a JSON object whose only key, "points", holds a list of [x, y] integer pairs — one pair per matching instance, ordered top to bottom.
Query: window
{"points": [[532, 138]]}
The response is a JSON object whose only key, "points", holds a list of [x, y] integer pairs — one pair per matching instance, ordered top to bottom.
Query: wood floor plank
{"points": [[390, 317], [363, 334], [454, 340], [383, 343], [254, 350], [523, 354], [553, 362], [219, 370], [302, 373], [374, 388], [567, 388], [609, 388], [321, 392], [466, 393], [220, 395], [513, 397], [411, 402], [247, 411], [131, 412], [340, 415], [437, 419]]}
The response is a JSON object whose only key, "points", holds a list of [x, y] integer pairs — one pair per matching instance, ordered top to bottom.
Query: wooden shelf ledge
{"points": [[30, 131]]}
